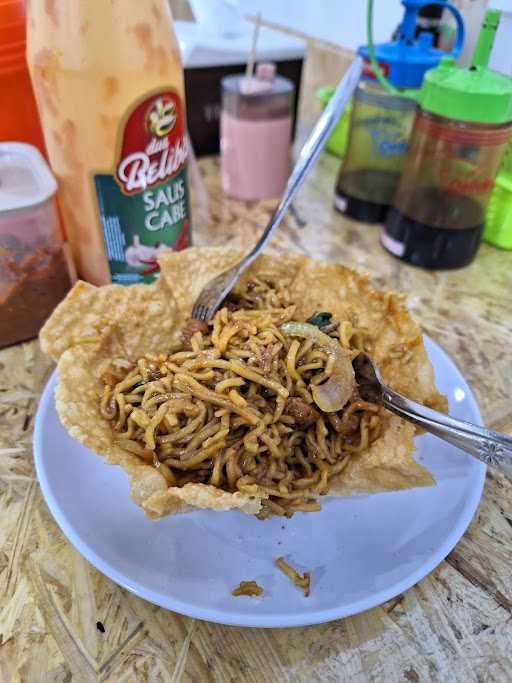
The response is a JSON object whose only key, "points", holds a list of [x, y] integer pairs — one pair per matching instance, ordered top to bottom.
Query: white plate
{"points": [[361, 550]]}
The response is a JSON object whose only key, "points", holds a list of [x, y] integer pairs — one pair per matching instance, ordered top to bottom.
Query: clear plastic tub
{"points": [[35, 268]]}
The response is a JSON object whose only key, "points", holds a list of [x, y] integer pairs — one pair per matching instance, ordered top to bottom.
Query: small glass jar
{"points": [[255, 134], [35, 268]]}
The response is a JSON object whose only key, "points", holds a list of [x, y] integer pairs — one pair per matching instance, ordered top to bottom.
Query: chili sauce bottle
{"points": [[108, 81]]}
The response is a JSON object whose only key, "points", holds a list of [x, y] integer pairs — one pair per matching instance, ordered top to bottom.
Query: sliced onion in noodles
{"points": [[335, 393]]}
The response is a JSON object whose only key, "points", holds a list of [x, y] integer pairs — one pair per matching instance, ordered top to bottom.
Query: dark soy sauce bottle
{"points": [[381, 120], [380, 126], [458, 138]]}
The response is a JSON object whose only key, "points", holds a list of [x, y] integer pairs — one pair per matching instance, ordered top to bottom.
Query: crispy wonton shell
{"points": [[94, 324]]}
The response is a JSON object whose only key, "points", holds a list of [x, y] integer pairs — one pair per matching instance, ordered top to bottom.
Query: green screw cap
{"points": [[476, 94]]}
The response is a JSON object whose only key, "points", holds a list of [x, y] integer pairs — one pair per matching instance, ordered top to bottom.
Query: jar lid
{"points": [[405, 60], [404, 63], [476, 94], [265, 100], [25, 177]]}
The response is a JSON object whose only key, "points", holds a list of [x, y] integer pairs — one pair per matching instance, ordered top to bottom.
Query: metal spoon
{"points": [[216, 290], [490, 447]]}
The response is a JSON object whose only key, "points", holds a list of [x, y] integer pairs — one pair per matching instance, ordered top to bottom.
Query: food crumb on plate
{"points": [[302, 582], [249, 588]]}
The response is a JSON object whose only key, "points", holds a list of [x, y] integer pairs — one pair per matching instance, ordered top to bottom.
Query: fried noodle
{"points": [[233, 405]]}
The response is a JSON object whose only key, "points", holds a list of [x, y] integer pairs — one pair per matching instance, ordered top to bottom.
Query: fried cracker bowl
{"points": [[259, 410]]}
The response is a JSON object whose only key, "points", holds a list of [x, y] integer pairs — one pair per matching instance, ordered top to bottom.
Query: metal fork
{"points": [[215, 291], [490, 447]]}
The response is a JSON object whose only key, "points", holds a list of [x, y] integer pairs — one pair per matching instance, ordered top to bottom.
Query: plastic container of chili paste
{"points": [[35, 269]]}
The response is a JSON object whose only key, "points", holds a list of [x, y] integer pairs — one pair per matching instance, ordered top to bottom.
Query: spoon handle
{"points": [[309, 152], [213, 293], [492, 448]]}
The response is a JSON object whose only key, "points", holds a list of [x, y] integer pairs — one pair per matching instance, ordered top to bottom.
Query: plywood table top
{"points": [[61, 620]]}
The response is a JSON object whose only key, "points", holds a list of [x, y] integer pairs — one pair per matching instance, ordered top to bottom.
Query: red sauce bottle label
{"points": [[144, 205]]}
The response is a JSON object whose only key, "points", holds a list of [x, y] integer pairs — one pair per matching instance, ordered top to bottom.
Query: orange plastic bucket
{"points": [[19, 120]]}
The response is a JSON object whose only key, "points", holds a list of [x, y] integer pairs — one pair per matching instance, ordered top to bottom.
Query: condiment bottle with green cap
{"points": [[458, 138]]}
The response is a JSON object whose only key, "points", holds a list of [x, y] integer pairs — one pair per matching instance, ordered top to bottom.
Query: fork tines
{"points": [[200, 312]]}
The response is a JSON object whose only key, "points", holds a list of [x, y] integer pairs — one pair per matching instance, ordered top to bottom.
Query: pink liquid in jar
{"points": [[255, 134], [255, 162]]}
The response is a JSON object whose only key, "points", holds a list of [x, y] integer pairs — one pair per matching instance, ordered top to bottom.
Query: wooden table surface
{"points": [[455, 625]]}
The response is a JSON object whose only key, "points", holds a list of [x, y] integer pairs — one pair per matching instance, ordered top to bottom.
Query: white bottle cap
{"points": [[25, 177]]}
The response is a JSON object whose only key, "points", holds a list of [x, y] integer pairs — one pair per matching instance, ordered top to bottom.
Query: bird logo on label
{"points": [[162, 117]]}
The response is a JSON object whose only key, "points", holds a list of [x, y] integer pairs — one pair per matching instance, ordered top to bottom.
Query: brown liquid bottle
{"points": [[109, 87], [382, 117], [380, 126], [458, 139], [438, 211]]}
